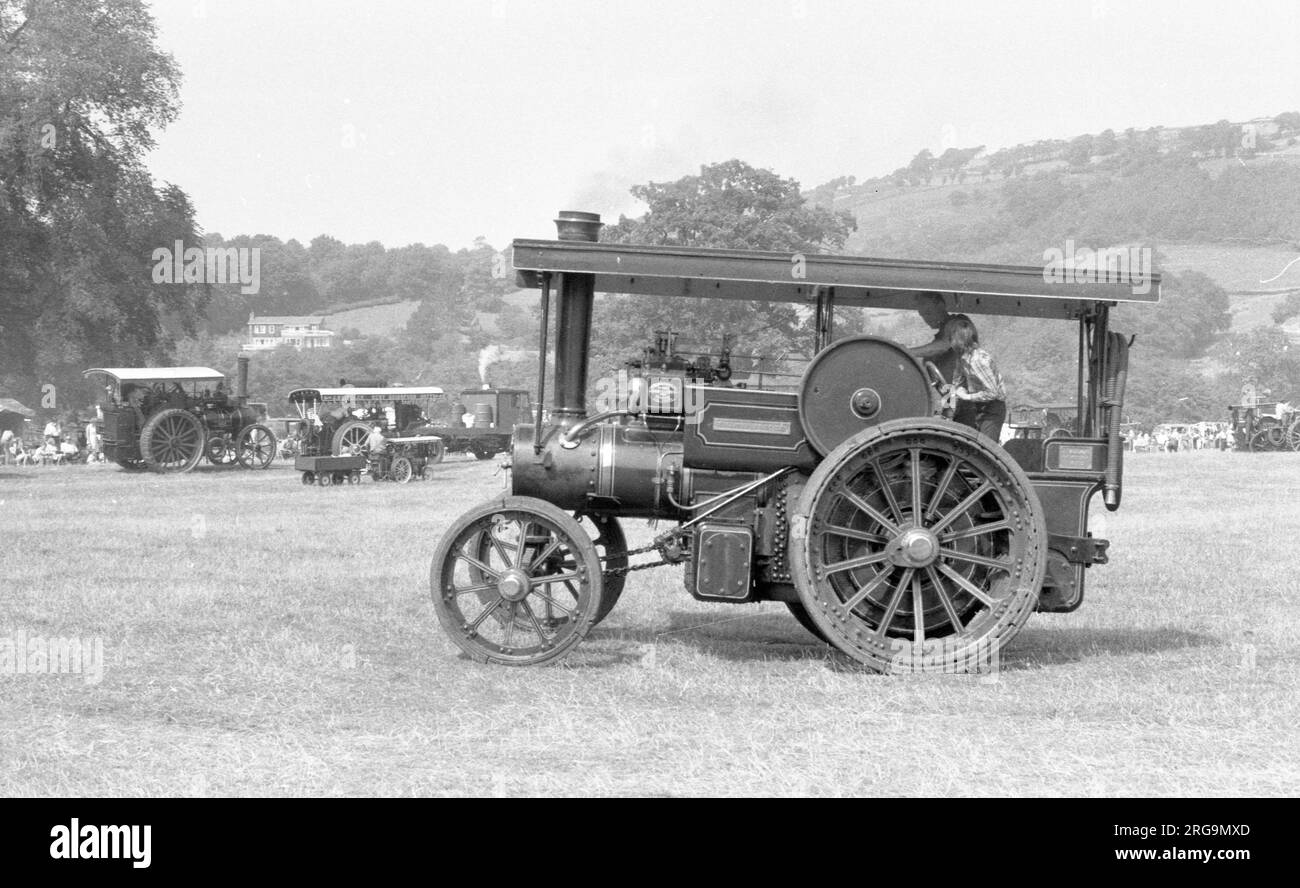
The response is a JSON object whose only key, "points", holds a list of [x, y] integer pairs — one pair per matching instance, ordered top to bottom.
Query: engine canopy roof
{"points": [[851, 280], [159, 374]]}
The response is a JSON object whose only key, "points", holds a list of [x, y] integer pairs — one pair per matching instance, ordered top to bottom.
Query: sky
{"points": [[439, 122]]}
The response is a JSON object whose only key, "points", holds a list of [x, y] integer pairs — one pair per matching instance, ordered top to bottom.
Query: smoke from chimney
{"points": [[486, 358]]}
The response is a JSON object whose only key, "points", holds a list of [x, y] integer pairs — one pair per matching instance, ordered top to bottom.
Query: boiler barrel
{"points": [[625, 469]]}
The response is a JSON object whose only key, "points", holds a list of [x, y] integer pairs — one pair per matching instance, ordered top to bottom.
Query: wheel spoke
{"points": [[916, 485], [941, 488], [887, 489], [962, 507], [871, 511], [524, 527], [977, 530], [852, 534], [500, 547], [544, 554], [976, 559], [474, 562], [849, 564], [558, 578], [871, 586], [475, 590], [975, 591], [944, 599], [894, 602], [487, 611], [918, 611], [568, 612], [532, 618], [510, 624]]}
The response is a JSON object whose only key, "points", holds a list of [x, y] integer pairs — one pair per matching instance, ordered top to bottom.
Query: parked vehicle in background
{"points": [[168, 419]]}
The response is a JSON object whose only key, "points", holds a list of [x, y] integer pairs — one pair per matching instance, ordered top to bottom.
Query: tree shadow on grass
{"points": [[775, 636]]}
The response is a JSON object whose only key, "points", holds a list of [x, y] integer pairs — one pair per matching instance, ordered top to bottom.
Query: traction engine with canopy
{"points": [[168, 419], [905, 540]]}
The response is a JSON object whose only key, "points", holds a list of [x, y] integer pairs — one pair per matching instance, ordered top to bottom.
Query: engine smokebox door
{"points": [[724, 556]]}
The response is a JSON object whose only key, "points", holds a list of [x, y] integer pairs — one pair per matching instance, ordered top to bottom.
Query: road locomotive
{"points": [[168, 419], [906, 541]]}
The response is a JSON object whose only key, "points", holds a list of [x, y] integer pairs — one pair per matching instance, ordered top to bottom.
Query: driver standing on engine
{"points": [[940, 352], [978, 387]]}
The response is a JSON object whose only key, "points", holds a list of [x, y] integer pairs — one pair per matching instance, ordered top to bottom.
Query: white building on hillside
{"points": [[299, 332]]}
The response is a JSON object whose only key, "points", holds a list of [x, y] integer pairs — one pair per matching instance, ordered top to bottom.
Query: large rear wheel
{"points": [[351, 438], [173, 440], [611, 545], [918, 546], [516, 581], [800, 613]]}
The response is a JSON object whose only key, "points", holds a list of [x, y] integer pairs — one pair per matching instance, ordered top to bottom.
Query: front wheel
{"points": [[255, 447], [402, 470], [919, 546], [516, 582]]}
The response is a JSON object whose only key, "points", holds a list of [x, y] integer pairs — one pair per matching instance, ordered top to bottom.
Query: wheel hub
{"points": [[914, 547], [514, 585]]}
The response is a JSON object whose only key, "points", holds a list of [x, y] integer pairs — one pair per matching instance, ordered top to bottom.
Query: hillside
{"points": [[1221, 199], [374, 320]]}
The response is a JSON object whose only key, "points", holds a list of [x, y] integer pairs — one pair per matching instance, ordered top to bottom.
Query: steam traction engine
{"points": [[169, 418], [903, 539]]}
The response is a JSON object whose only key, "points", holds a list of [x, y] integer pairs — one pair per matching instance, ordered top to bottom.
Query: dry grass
{"points": [[264, 639]]}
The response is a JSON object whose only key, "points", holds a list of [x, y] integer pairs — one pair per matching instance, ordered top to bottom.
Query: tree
{"points": [[85, 88], [1288, 121], [1105, 143], [1079, 151], [921, 169], [731, 205], [457, 288], [1287, 308], [1192, 313], [1266, 354]]}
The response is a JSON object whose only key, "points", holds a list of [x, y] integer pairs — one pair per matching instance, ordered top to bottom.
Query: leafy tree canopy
{"points": [[83, 86]]}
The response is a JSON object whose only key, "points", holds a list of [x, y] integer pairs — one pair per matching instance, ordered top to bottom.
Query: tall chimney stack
{"points": [[573, 321], [241, 379]]}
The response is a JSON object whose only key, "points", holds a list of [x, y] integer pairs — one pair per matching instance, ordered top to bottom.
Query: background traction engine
{"points": [[156, 422]]}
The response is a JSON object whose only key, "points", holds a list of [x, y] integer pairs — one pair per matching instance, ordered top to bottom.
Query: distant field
{"points": [[1238, 269], [1256, 278], [377, 320], [262, 638]]}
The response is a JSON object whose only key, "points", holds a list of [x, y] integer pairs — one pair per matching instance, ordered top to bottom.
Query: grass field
{"points": [[261, 638]]}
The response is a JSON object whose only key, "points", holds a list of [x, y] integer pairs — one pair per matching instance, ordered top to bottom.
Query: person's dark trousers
{"points": [[985, 417]]}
